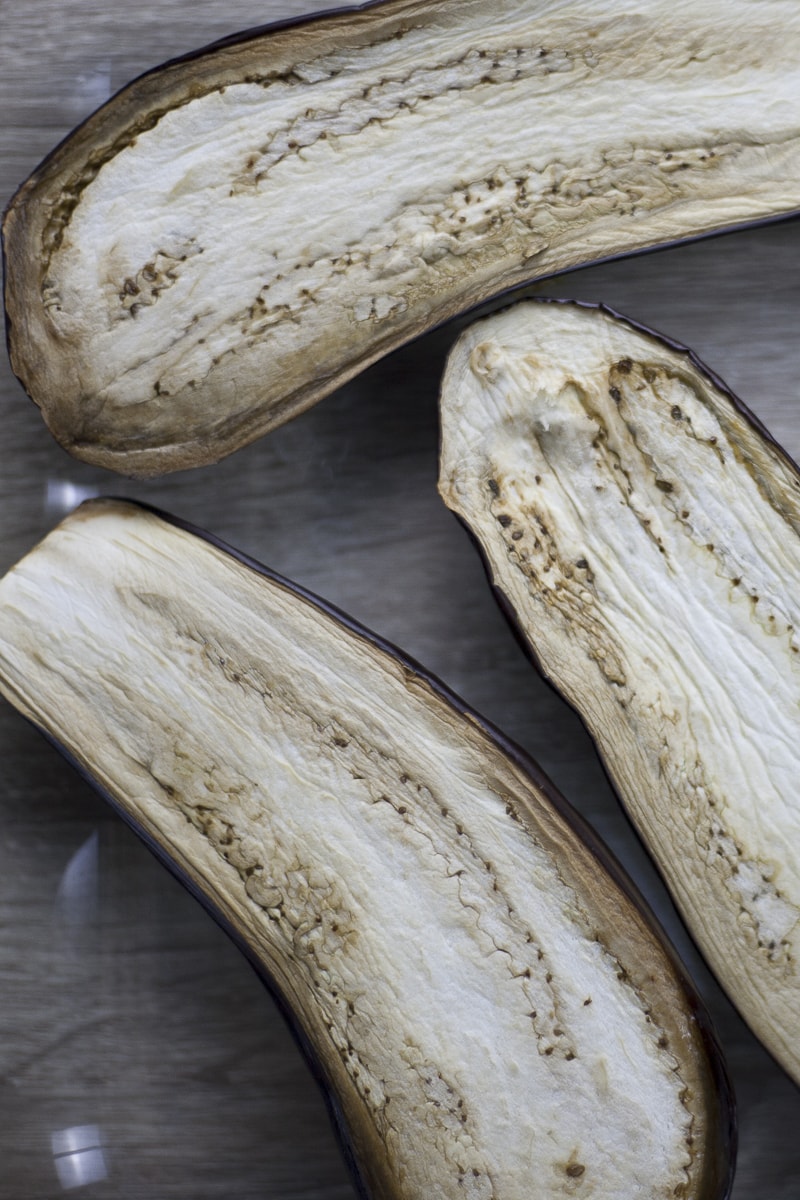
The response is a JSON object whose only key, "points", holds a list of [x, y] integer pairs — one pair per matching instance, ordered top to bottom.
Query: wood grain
{"points": [[122, 1006]]}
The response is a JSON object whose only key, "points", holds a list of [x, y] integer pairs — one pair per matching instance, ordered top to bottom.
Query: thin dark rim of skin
{"points": [[229, 42], [381, 347], [686, 351], [505, 604], [722, 1125]]}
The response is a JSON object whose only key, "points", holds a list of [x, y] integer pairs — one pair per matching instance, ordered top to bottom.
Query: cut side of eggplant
{"points": [[237, 233], [645, 533], [490, 1006]]}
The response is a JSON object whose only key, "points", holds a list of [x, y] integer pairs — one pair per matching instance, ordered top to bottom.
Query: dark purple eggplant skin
{"points": [[507, 608], [723, 1122]]}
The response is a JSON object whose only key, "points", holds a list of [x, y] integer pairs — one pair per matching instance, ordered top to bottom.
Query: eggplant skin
{"points": [[237, 233], [642, 529], [467, 971]]}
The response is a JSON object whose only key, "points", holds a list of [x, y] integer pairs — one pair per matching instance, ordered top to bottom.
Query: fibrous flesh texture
{"points": [[236, 234], [644, 531], [493, 1014]]}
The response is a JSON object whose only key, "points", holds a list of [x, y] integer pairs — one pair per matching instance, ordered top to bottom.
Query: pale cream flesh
{"points": [[232, 237], [647, 536], [494, 1017]]}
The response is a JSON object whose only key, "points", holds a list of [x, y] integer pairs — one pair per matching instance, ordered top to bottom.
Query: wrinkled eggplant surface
{"points": [[237, 233], [643, 530], [493, 1012]]}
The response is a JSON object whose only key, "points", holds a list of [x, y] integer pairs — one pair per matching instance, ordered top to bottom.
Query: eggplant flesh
{"points": [[235, 234], [644, 531], [491, 1009]]}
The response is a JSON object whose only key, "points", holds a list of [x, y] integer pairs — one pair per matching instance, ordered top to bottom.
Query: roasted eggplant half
{"points": [[237, 233], [644, 531], [491, 1008]]}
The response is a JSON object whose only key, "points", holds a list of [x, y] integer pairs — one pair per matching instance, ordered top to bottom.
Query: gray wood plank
{"points": [[123, 1009]]}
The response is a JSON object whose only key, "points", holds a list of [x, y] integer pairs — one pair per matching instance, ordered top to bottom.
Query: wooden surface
{"points": [[126, 1016]]}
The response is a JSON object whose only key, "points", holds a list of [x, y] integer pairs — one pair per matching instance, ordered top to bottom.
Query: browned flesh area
{"points": [[233, 236], [646, 535], [493, 1014]]}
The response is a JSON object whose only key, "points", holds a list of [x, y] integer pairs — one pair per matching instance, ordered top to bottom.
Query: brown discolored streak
{"points": [[358, 179], [654, 577], [461, 965]]}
